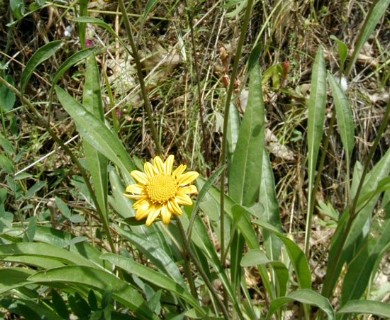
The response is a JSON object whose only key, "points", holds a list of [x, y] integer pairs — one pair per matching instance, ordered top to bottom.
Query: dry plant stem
{"points": [[138, 66], [197, 73], [226, 121], [42, 122], [203, 274], [328, 291]]}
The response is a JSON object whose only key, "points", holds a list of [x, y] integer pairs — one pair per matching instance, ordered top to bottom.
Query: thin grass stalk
{"points": [[138, 66], [199, 89], [229, 94], [42, 122], [187, 262], [201, 271], [328, 290]]}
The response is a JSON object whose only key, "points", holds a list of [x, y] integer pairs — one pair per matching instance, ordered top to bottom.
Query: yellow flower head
{"points": [[159, 191]]}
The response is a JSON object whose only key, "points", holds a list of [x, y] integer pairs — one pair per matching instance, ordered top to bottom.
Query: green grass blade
{"points": [[377, 10], [97, 22], [42, 54], [317, 103], [95, 132], [96, 162], [245, 170], [154, 277], [100, 280], [306, 296], [360, 307]]}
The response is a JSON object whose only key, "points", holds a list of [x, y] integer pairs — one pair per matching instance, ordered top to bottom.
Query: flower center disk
{"points": [[161, 188]]}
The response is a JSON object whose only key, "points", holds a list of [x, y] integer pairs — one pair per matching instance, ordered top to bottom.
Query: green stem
{"points": [[141, 80], [199, 96], [42, 122], [187, 263], [201, 271]]}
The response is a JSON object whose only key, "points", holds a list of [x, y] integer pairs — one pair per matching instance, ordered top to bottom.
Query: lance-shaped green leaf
{"points": [[377, 10], [42, 54], [71, 62], [316, 117], [95, 132], [97, 163], [245, 170], [270, 212], [44, 250], [362, 267], [153, 277], [12, 278], [97, 279], [305, 296], [381, 309]]}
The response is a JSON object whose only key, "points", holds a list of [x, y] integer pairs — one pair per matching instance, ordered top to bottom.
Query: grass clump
{"points": [[283, 109]]}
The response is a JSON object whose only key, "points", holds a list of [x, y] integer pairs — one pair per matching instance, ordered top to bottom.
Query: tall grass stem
{"points": [[138, 66]]}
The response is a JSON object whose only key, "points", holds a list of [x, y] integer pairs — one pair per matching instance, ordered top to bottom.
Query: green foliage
{"points": [[229, 255]]}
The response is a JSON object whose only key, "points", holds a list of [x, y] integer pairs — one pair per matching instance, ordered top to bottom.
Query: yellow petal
{"points": [[169, 164], [159, 165], [149, 170], [179, 170], [139, 176], [187, 178], [135, 188], [188, 189], [134, 196], [183, 199], [142, 204], [174, 208], [141, 214], [153, 214], [165, 215]]}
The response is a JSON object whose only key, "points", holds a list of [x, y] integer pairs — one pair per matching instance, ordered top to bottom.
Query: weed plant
{"points": [[194, 160]]}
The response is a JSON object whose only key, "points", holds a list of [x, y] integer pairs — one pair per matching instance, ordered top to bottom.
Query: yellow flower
{"points": [[159, 191]]}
